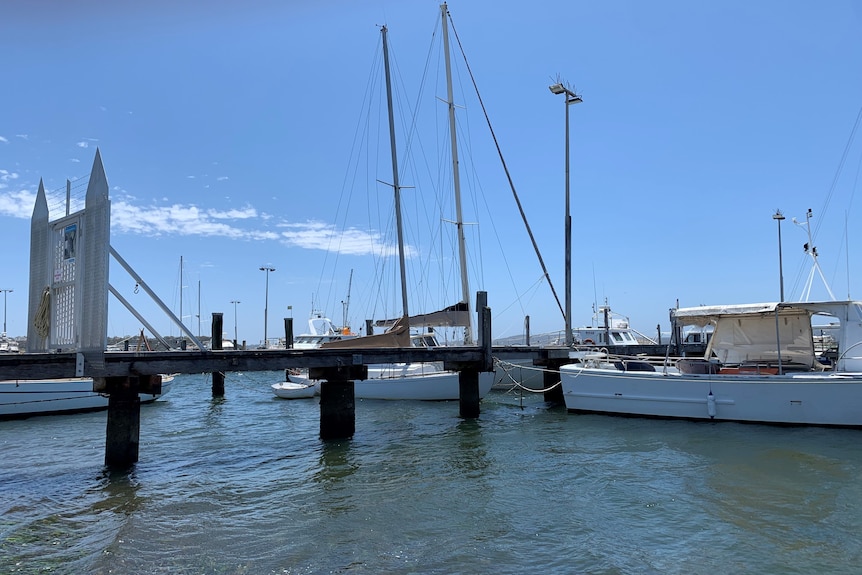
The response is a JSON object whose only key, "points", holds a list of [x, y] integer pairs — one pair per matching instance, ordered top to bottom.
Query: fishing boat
{"points": [[609, 329], [760, 365], [24, 398]]}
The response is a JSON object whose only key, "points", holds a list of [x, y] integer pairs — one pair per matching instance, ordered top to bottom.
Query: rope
{"points": [[42, 320], [507, 366]]}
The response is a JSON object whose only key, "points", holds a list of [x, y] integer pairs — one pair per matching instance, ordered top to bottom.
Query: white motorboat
{"points": [[609, 329], [321, 330], [7, 344], [760, 366], [23, 398]]}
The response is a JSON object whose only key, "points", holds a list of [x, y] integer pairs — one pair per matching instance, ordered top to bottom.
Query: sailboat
{"points": [[416, 380]]}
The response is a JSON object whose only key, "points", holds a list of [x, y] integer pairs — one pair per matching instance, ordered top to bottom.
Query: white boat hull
{"points": [[414, 381], [296, 390], [22, 398], [796, 399]]}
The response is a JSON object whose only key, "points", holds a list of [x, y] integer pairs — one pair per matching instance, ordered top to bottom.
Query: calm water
{"points": [[243, 485]]}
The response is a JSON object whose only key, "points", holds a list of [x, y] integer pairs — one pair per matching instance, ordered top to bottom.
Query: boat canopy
{"points": [[769, 332]]}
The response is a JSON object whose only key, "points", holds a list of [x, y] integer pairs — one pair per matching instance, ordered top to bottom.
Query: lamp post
{"points": [[570, 98], [778, 216], [266, 269], [5, 291], [235, 333]]}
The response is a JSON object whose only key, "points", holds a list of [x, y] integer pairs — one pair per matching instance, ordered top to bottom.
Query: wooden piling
{"points": [[288, 333], [216, 344], [468, 375], [551, 380], [468, 393], [337, 399], [123, 429]]}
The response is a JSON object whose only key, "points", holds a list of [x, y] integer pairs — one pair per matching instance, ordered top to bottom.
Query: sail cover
{"points": [[457, 315], [397, 336]]}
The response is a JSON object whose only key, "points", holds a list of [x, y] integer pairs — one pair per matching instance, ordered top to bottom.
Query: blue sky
{"points": [[235, 136]]}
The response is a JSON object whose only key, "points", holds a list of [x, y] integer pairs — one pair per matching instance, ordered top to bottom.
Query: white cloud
{"points": [[22, 136], [4, 140], [83, 144], [6, 175], [222, 178], [17, 204], [243, 214], [183, 221], [236, 223], [352, 241]]}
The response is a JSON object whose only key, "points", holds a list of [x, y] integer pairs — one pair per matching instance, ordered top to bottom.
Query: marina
{"points": [[438, 426]]}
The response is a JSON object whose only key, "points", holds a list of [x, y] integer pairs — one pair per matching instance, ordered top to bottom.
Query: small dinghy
{"points": [[291, 390]]}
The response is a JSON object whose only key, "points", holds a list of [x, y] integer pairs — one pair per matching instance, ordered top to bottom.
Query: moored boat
{"points": [[760, 366], [296, 389], [24, 398]]}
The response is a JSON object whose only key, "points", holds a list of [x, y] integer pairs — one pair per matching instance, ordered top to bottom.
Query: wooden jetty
{"points": [[67, 334], [122, 375]]}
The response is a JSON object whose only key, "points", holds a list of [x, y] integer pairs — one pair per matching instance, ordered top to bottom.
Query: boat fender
{"points": [[588, 341], [710, 404]]}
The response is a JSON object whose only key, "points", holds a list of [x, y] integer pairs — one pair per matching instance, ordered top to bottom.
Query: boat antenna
{"points": [[811, 250], [346, 304]]}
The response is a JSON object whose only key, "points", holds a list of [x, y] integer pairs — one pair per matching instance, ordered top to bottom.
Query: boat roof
{"points": [[705, 315]]}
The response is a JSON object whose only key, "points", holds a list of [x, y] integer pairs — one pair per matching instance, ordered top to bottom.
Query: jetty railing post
{"points": [[216, 345], [337, 399]]}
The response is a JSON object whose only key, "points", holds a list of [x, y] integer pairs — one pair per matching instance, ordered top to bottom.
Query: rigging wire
{"points": [[508, 175]]}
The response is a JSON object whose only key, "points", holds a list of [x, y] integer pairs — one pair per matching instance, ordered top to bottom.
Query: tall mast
{"points": [[395, 183], [459, 220]]}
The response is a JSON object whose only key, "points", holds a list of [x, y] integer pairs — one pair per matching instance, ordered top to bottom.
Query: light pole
{"points": [[571, 98], [778, 216], [266, 269], [5, 291], [235, 336]]}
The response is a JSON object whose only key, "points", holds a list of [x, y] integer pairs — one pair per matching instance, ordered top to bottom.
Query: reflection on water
{"points": [[243, 484]]}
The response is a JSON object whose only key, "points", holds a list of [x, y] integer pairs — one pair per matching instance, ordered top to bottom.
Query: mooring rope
{"points": [[507, 366]]}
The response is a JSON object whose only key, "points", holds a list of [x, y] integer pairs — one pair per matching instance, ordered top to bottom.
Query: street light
{"points": [[571, 98], [778, 216], [266, 269], [5, 291], [235, 336]]}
